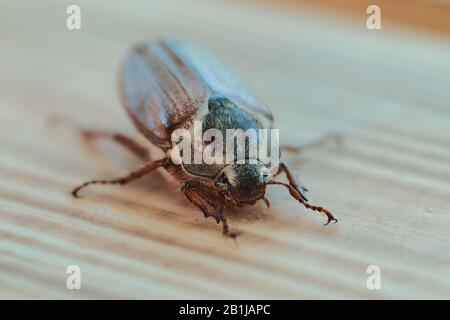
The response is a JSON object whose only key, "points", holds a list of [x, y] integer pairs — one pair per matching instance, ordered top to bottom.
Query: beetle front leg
{"points": [[314, 142], [294, 180], [297, 190], [192, 192], [198, 196], [225, 229]]}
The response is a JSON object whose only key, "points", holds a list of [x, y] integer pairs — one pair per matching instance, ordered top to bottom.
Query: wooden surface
{"points": [[416, 15], [386, 91]]}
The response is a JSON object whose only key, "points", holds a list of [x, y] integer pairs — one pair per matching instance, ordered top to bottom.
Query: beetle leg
{"points": [[91, 134], [314, 142], [131, 145], [138, 173], [294, 180], [297, 190], [192, 192], [197, 196], [225, 229]]}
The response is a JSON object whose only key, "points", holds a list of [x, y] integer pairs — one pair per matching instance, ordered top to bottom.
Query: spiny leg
{"points": [[92, 134], [127, 142], [314, 142], [136, 174], [294, 180], [296, 189], [193, 192], [213, 208]]}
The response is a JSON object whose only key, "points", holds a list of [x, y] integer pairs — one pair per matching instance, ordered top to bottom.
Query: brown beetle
{"points": [[168, 85]]}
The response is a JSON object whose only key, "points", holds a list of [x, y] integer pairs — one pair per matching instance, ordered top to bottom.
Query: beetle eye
{"points": [[223, 179]]}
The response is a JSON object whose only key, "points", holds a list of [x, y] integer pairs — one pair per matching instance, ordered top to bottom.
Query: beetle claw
{"points": [[75, 194], [207, 215], [329, 220]]}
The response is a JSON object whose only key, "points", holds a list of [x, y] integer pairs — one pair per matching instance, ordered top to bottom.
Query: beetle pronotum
{"points": [[168, 85]]}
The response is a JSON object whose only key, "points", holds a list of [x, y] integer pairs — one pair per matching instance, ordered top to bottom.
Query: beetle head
{"points": [[244, 183]]}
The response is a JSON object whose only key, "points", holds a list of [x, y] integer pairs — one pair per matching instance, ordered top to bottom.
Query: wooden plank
{"points": [[431, 15], [386, 92]]}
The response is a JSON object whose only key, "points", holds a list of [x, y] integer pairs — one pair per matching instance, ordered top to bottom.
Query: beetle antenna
{"points": [[297, 195]]}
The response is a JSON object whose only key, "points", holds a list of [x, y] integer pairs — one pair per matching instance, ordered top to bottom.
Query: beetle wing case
{"points": [[165, 85]]}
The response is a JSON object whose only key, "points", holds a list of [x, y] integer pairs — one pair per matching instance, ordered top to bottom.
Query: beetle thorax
{"points": [[222, 116]]}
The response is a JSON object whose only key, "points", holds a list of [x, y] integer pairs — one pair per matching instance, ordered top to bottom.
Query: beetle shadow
{"points": [[158, 184], [167, 191], [169, 203], [248, 213]]}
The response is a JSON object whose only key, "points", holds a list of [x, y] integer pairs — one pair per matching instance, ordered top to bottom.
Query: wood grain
{"points": [[416, 15], [387, 92]]}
